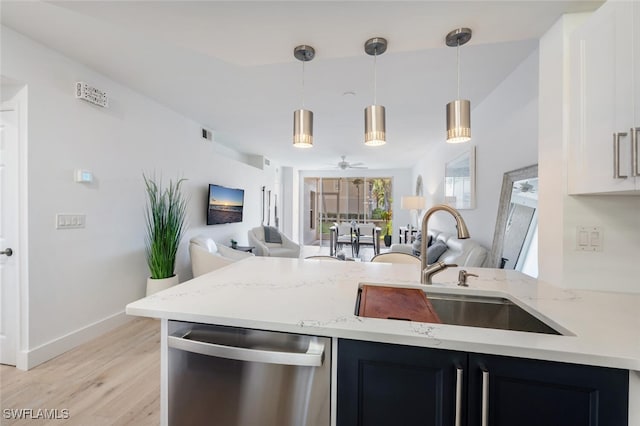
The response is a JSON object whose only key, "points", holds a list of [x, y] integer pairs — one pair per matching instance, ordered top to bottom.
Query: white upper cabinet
{"points": [[605, 101]]}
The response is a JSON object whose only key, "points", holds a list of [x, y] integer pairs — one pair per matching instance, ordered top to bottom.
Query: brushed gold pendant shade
{"points": [[459, 110], [458, 121], [302, 128], [375, 133]]}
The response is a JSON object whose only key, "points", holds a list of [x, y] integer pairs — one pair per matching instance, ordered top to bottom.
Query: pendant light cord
{"points": [[458, 66], [375, 76], [303, 84]]}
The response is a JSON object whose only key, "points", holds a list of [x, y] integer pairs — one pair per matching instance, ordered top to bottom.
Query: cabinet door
{"points": [[601, 100], [390, 385], [527, 392]]}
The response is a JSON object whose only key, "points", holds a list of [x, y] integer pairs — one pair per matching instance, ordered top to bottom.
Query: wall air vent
{"points": [[91, 94], [207, 134]]}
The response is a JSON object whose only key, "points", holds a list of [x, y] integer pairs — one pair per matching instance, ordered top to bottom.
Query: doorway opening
{"points": [[328, 201]]}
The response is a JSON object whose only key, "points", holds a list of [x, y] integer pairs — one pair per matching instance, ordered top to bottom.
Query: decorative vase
{"points": [[155, 285]]}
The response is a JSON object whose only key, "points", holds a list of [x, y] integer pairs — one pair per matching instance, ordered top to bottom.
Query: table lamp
{"points": [[413, 203]]}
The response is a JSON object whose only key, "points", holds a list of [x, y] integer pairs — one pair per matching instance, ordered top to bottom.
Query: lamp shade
{"points": [[458, 121], [374, 125], [303, 128], [412, 202]]}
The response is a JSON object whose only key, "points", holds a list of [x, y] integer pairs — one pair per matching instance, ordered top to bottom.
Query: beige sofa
{"points": [[465, 252]]}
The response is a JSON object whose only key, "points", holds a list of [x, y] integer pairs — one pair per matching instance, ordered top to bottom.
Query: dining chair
{"points": [[345, 235], [366, 236], [321, 257], [396, 258]]}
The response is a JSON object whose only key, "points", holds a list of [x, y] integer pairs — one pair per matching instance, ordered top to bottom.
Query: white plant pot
{"points": [[156, 285]]}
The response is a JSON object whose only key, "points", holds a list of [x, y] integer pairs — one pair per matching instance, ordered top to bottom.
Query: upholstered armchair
{"points": [[268, 241], [207, 256]]}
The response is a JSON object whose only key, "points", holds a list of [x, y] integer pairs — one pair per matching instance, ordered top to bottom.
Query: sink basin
{"points": [[472, 310], [487, 312]]}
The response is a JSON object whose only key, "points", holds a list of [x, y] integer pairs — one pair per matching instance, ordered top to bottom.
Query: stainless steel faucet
{"points": [[428, 271]]}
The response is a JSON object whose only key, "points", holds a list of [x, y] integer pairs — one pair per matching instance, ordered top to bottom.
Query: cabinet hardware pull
{"points": [[634, 151], [616, 155], [485, 398], [458, 419]]}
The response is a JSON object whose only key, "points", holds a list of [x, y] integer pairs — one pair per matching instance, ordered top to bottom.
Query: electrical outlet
{"points": [[70, 221]]}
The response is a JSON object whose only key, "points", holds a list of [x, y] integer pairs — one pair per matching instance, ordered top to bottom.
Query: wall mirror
{"points": [[460, 181], [515, 236]]}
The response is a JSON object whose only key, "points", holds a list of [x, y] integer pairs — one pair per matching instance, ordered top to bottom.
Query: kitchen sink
{"points": [[471, 310], [487, 312]]}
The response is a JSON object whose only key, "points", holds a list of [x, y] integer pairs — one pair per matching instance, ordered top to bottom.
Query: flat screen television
{"points": [[225, 205]]}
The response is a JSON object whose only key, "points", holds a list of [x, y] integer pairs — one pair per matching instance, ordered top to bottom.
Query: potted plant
{"points": [[165, 216], [386, 216], [234, 244]]}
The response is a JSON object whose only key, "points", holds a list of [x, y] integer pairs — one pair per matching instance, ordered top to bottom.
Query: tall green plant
{"points": [[165, 216], [386, 216]]}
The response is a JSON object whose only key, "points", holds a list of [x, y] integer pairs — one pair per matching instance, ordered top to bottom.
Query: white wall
{"points": [[505, 132], [401, 185], [290, 209], [616, 268], [78, 278]]}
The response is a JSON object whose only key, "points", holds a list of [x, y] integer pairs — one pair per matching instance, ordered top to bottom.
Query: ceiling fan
{"points": [[344, 164], [524, 187]]}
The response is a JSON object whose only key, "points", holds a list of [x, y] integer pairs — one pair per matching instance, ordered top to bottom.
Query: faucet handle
{"points": [[462, 278]]}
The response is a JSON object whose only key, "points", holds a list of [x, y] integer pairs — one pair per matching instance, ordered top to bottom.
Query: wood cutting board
{"points": [[409, 304]]}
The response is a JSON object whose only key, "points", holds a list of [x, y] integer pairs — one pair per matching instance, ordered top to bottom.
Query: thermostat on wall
{"points": [[83, 176]]}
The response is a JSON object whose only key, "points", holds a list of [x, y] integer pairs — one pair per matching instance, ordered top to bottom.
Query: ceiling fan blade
{"points": [[356, 164]]}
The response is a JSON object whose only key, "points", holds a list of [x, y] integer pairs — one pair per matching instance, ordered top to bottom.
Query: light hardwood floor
{"points": [[112, 380]]}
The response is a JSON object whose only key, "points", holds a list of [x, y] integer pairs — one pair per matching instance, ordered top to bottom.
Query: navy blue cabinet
{"points": [[387, 385], [391, 385], [527, 392]]}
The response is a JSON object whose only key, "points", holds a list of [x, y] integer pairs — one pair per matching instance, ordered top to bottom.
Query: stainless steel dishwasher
{"points": [[226, 376]]}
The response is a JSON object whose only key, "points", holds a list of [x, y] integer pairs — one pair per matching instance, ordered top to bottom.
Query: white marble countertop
{"points": [[318, 297]]}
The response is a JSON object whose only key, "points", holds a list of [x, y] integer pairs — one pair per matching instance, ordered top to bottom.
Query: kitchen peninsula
{"points": [[317, 298]]}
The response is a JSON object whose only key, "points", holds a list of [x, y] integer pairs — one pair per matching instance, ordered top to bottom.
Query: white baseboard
{"points": [[36, 356]]}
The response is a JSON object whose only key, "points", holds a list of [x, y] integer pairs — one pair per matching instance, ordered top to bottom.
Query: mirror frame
{"points": [[508, 180]]}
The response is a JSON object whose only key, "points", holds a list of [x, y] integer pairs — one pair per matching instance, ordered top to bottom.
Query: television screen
{"points": [[225, 205]]}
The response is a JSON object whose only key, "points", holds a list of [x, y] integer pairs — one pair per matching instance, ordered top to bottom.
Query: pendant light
{"points": [[458, 111], [303, 118], [375, 133]]}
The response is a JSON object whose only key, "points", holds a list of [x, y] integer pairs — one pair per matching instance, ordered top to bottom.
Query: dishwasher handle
{"points": [[312, 358]]}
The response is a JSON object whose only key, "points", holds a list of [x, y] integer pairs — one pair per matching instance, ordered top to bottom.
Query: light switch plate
{"points": [[70, 221], [589, 238]]}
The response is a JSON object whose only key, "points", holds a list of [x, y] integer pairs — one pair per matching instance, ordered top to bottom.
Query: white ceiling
{"points": [[230, 65]]}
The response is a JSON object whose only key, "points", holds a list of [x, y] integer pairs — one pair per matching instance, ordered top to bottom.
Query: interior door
{"points": [[8, 234]]}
